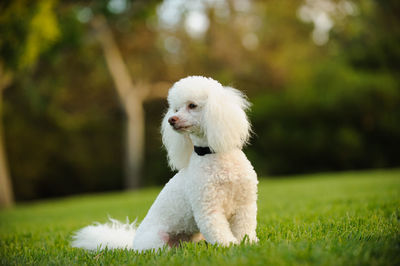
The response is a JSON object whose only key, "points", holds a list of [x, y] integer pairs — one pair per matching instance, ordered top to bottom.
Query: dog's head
{"points": [[211, 113]]}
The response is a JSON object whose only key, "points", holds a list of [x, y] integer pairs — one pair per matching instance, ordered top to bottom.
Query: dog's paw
{"points": [[229, 242]]}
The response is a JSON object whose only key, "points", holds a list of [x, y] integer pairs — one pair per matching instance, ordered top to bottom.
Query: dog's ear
{"points": [[225, 121], [179, 146]]}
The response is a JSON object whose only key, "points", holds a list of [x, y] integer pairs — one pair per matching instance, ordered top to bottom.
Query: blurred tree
{"points": [[123, 17], [22, 40], [323, 77], [132, 98], [338, 108], [6, 191]]}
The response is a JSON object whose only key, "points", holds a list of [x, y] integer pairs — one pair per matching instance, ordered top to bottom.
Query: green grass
{"points": [[326, 219]]}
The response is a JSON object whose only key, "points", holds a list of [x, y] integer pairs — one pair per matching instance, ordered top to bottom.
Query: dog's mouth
{"points": [[180, 128]]}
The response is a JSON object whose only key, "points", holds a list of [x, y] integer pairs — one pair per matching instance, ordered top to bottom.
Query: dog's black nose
{"points": [[172, 120]]}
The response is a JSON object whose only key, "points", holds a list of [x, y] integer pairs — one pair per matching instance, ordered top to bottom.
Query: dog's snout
{"points": [[172, 120]]}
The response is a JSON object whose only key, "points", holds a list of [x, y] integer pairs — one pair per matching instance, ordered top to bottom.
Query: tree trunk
{"points": [[132, 98], [131, 101], [134, 143], [6, 192]]}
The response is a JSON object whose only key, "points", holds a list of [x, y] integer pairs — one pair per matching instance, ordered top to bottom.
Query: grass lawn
{"points": [[348, 218]]}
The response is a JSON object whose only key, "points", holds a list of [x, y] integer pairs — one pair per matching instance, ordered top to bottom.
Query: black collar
{"points": [[201, 151]]}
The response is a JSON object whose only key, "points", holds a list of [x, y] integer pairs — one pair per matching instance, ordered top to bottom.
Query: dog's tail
{"points": [[111, 235]]}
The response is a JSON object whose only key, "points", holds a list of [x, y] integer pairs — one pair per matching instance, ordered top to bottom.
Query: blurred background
{"points": [[83, 86]]}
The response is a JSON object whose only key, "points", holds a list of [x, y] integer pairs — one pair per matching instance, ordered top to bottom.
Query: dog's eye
{"points": [[192, 106]]}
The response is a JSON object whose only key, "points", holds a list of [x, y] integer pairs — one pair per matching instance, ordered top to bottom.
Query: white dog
{"points": [[215, 189]]}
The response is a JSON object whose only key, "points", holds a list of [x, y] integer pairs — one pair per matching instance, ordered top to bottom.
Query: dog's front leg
{"points": [[244, 222], [214, 226]]}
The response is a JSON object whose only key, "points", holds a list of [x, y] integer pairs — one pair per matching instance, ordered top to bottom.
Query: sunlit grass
{"points": [[330, 219]]}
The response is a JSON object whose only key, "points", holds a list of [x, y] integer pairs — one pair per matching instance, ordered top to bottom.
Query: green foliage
{"points": [[27, 29], [42, 30], [67, 101], [340, 107], [315, 108], [344, 119], [75, 128], [331, 219]]}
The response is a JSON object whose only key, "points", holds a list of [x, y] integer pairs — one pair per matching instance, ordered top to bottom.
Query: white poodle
{"points": [[215, 189]]}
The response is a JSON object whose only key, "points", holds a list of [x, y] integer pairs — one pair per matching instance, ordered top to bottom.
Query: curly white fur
{"points": [[214, 194]]}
